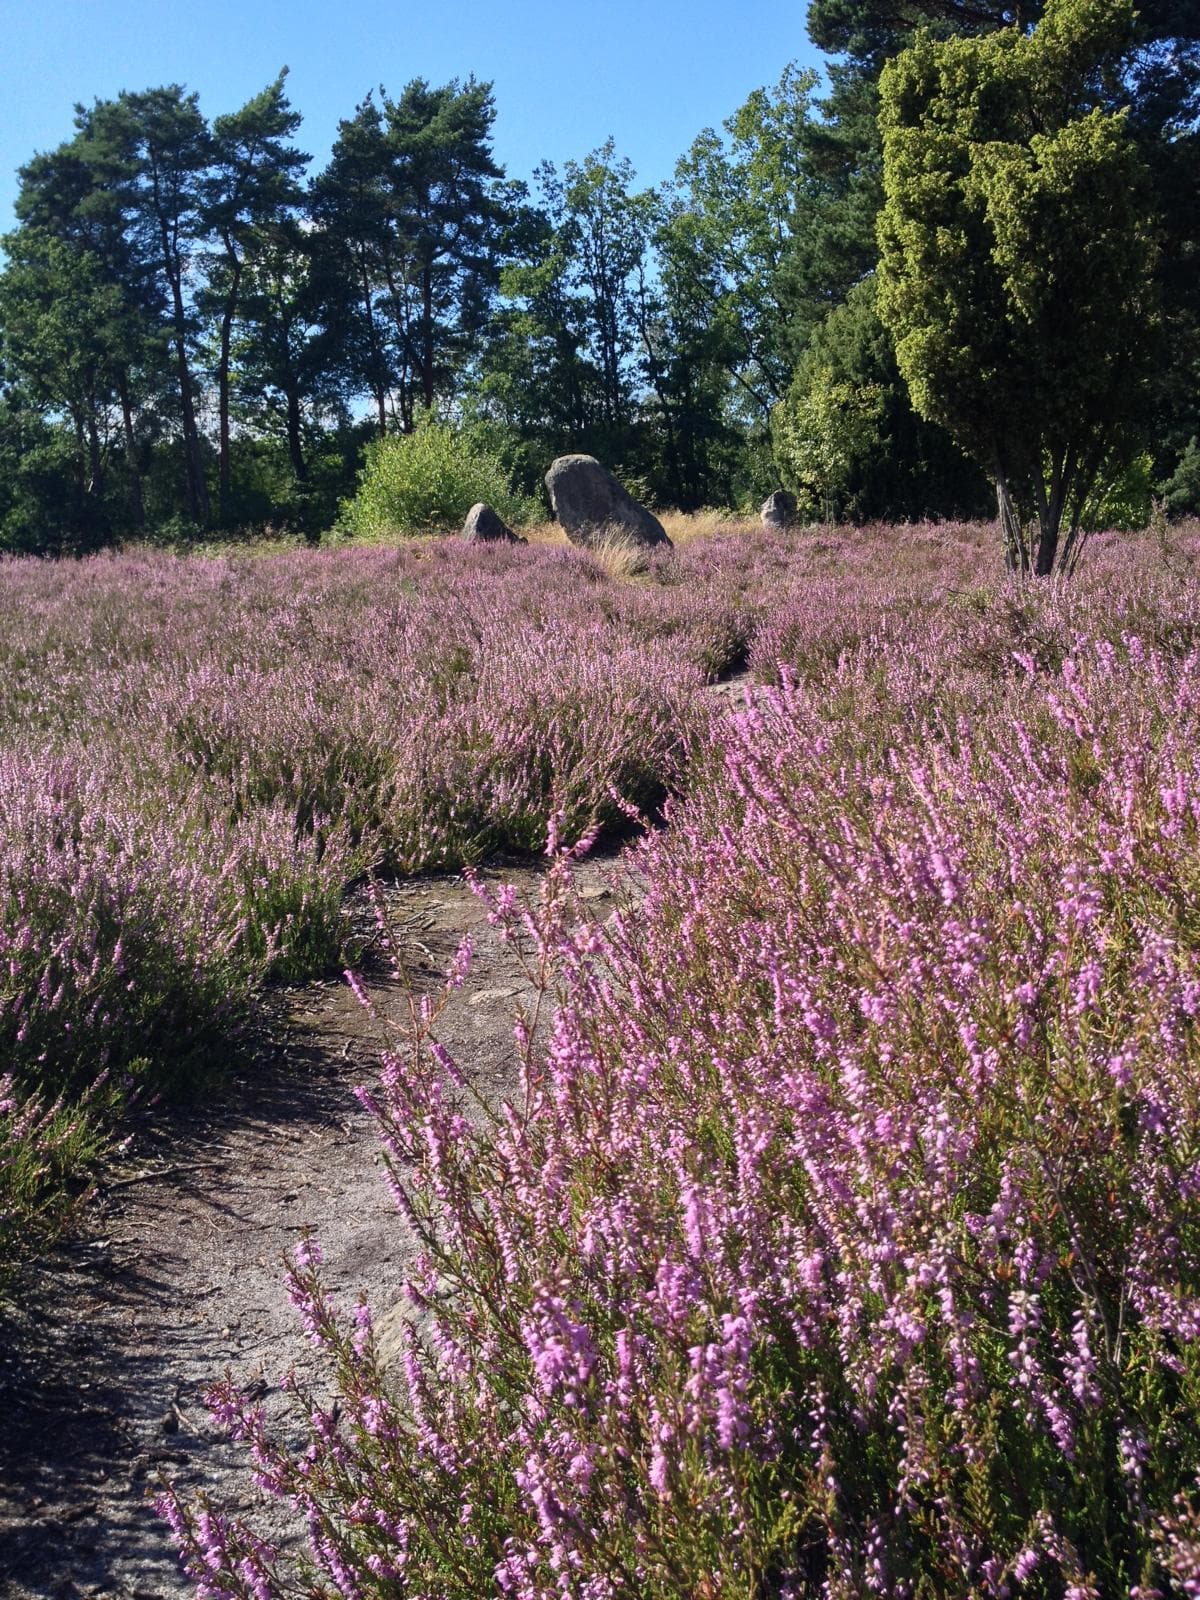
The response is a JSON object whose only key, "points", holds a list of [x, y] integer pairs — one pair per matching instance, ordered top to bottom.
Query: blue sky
{"points": [[566, 74]]}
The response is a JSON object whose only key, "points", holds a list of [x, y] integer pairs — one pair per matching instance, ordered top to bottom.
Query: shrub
{"points": [[820, 433], [427, 481], [1182, 489], [1123, 505], [199, 756], [134, 927], [46, 1151]]}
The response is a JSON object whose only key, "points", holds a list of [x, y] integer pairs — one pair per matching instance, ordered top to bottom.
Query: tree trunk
{"points": [[427, 339], [409, 343], [378, 385], [77, 424], [295, 445], [225, 475], [95, 486], [197, 489], [137, 505], [1050, 512], [1047, 545], [1016, 551]]}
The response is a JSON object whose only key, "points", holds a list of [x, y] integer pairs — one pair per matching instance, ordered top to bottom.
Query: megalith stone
{"points": [[590, 503], [779, 510], [485, 526]]}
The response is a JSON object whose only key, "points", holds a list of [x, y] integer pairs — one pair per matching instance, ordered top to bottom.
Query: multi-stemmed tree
{"points": [[1018, 251]]}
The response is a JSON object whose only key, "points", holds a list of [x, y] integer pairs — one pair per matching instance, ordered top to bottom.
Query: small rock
{"points": [[779, 510], [485, 526]]}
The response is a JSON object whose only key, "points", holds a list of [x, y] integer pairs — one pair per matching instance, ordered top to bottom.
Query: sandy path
{"points": [[102, 1373]]}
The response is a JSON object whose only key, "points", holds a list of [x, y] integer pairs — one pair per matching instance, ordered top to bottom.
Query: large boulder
{"points": [[590, 504], [779, 510], [485, 526]]}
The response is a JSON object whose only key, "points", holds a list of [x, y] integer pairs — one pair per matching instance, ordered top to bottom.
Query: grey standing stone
{"points": [[590, 503], [779, 510], [485, 526]]}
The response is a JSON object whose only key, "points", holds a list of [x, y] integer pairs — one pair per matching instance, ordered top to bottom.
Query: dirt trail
{"points": [[101, 1375]]}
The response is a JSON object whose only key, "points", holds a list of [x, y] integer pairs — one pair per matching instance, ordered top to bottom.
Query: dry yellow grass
{"points": [[684, 526], [681, 527], [544, 533], [617, 555], [622, 559]]}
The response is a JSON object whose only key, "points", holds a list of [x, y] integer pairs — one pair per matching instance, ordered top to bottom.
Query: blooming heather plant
{"points": [[198, 757], [129, 936], [46, 1151], [845, 1238]]}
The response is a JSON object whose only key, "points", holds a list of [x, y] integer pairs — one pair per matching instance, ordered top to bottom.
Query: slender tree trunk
{"points": [[427, 338], [409, 343], [379, 387], [295, 445], [80, 453], [225, 474], [1083, 484], [95, 487], [197, 489], [137, 505], [1050, 515], [1047, 545], [1016, 551]]}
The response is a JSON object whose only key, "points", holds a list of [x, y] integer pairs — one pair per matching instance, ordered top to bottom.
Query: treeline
{"points": [[194, 335]]}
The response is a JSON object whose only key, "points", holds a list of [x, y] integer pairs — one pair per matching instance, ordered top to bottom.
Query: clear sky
{"points": [[567, 73]]}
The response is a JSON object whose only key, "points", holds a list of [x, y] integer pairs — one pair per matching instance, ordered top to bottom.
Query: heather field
{"points": [[843, 1235]]}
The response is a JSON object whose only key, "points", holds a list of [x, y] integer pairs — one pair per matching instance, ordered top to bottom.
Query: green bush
{"points": [[427, 481], [1182, 490], [1123, 504]]}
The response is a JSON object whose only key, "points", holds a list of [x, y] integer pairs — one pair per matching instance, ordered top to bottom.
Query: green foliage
{"points": [[148, 154], [1002, 161], [252, 192], [741, 203], [410, 211], [160, 258], [65, 341], [576, 345], [820, 433], [898, 466], [427, 481], [1182, 490], [1125, 503], [39, 505]]}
